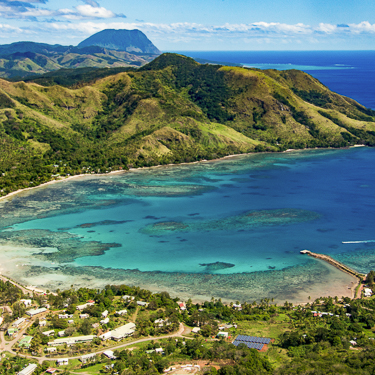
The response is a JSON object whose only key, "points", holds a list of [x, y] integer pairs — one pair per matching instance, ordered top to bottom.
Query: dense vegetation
{"points": [[171, 110], [339, 341]]}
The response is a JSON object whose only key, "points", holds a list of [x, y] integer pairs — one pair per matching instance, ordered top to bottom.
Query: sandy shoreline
{"points": [[155, 166]]}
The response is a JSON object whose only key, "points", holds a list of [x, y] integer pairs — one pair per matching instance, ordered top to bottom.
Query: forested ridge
{"points": [[171, 110]]}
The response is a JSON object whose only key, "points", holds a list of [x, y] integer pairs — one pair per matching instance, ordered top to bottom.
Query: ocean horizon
{"points": [[349, 73]]}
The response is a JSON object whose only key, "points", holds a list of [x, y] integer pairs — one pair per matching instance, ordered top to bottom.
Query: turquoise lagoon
{"points": [[231, 228]]}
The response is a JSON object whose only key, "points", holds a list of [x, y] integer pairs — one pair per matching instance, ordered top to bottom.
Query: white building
{"points": [[368, 292], [128, 298], [26, 302], [82, 307], [34, 312], [121, 312], [105, 313], [65, 316], [84, 316], [104, 321], [18, 322], [159, 322], [42, 323], [195, 330], [48, 333], [61, 333], [119, 333], [223, 334], [106, 336], [72, 340], [51, 350], [109, 354], [88, 357], [62, 361], [28, 370]]}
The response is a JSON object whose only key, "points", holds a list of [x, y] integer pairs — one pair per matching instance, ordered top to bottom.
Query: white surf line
{"points": [[364, 241]]}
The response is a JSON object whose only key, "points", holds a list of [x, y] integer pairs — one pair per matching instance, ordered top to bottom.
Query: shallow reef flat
{"points": [[247, 220], [60, 247], [361, 259], [294, 284]]}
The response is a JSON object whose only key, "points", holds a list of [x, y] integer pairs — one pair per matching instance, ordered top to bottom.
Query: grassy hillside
{"points": [[26, 64], [171, 110]]}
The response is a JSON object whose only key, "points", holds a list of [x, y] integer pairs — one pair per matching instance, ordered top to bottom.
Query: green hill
{"points": [[106, 49], [28, 64], [171, 110]]}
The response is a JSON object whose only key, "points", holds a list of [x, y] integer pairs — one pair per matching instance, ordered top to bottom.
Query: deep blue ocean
{"points": [[349, 73], [241, 219]]}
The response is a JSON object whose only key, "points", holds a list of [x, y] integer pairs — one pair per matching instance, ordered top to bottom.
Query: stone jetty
{"points": [[334, 263]]}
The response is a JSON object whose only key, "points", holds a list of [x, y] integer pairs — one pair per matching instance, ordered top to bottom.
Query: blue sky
{"points": [[197, 24]]}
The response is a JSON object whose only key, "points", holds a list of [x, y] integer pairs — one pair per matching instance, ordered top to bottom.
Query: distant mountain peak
{"points": [[133, 41]]}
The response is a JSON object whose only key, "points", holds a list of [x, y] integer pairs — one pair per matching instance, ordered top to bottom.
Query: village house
{"points": [[367, 292], [127, 298], [26, 302], [182, 305], [84, 306], [121, 312], [65, 316], [84, 316], [104, 321], [12, 331], [49, 333], [25, 341], [109, 354], [87, 357], [62, 362], [51, 370]]}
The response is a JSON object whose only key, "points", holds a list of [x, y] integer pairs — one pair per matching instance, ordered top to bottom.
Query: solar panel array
{"points": [[260, 340], [252, 342], [250, 345]]}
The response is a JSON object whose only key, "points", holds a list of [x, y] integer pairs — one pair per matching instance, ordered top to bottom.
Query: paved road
{"points": [[24, 290], [41, 359]]}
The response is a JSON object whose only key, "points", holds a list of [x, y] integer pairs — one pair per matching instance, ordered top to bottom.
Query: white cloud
{"points": [[88, 10], [363, 27], [326, 28], [183, 34]]}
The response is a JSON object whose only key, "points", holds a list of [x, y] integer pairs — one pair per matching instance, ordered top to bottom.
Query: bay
{"points": [[238, 223]]}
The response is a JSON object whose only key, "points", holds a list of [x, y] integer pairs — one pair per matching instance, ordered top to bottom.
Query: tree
{"points": [[85, 327]]}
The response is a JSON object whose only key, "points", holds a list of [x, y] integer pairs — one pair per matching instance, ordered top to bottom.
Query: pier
{"points": [[334, 263]]}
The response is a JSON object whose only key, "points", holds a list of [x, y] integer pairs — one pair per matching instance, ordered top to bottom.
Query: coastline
{"points": [[13, 193]]}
